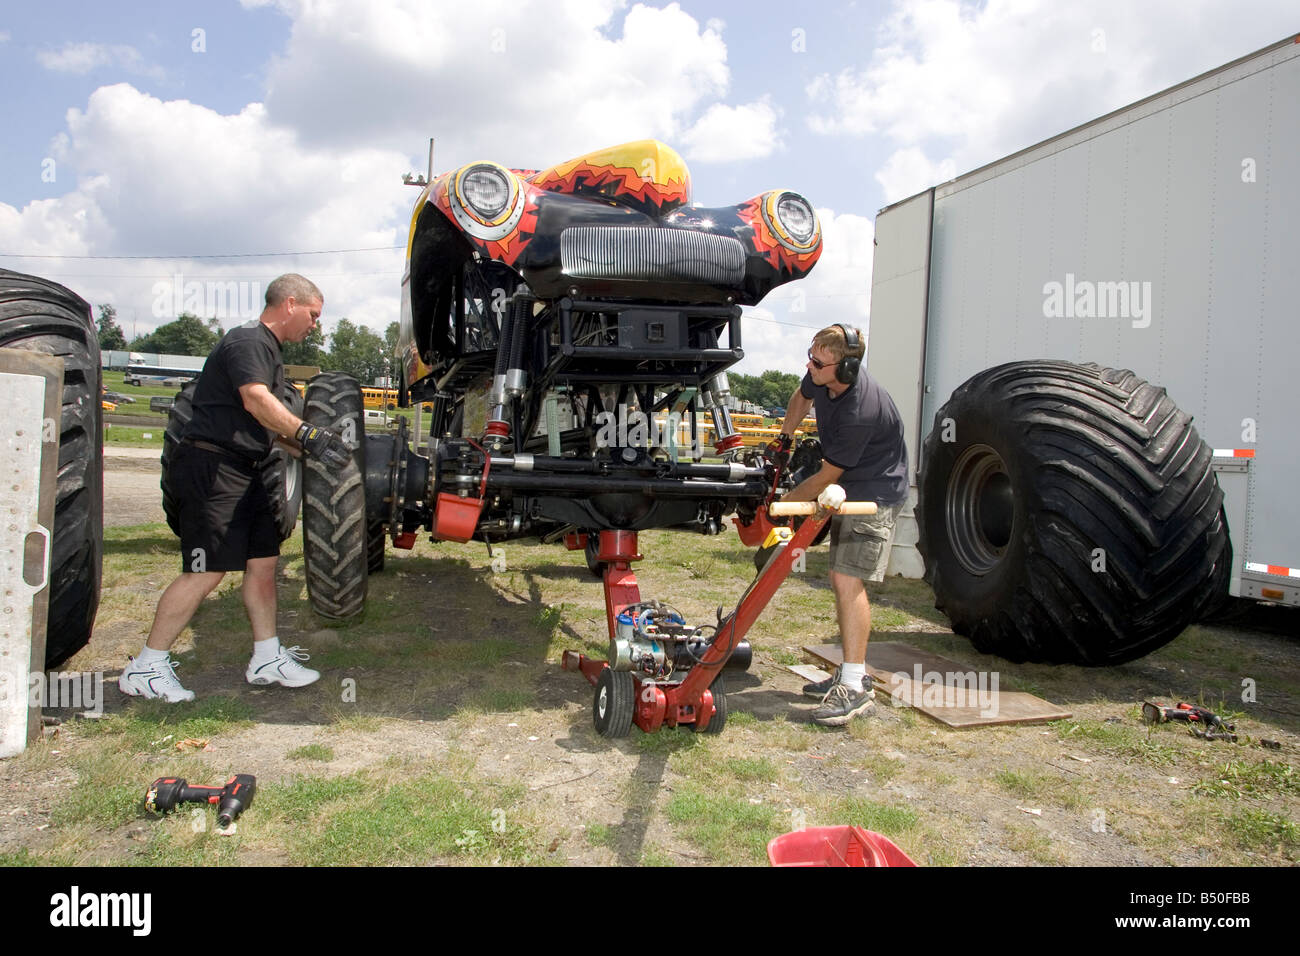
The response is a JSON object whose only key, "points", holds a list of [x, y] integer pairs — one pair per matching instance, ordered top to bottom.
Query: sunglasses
{"points": [[820, 365]]}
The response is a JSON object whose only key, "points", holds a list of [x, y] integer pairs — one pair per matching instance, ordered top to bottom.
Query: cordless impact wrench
{"points": [[166, 793]]}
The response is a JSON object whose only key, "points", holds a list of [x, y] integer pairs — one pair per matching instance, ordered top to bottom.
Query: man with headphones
{"points": [[861, 435]]}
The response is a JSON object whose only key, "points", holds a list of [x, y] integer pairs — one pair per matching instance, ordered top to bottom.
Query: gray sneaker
{"points": [[821, 688], [842, 705]]}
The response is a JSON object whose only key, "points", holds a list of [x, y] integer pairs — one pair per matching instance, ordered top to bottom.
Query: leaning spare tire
{"points": [[42, 316], [281, 472], [1069, 514], [334, 527]]}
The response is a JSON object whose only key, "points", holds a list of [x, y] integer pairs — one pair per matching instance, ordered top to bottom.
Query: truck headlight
{"points": [[486, 200], [791, 219]]}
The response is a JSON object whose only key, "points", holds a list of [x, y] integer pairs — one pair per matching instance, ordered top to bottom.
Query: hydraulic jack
{"points": [[662, 671]]}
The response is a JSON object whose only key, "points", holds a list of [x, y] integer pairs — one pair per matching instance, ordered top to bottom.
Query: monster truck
{"points": [[569, 326]]}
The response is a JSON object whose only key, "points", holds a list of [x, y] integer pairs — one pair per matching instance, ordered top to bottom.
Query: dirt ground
{"points": [[131, 494], [522, 720]]}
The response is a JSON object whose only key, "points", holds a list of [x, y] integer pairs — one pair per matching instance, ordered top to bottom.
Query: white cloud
{"points": [[4, 36], [81, 58], [525, 82], [969, 84], [732, 133], [908, 171], [178, 179], [776, 333]]}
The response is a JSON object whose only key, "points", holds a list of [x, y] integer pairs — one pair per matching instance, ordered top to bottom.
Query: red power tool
{"points": [[1214, 727], [166, 793]]}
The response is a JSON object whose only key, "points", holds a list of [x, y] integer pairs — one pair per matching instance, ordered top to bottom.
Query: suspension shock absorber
{"points": [[509, 380], [714, 394]]}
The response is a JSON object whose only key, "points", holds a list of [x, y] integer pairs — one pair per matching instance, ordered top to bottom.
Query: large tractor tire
{"points": [[44, 317], [281, 472], [1069, 514], [376, 542], [335, 545]]}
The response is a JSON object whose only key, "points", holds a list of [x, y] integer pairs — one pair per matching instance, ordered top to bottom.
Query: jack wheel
{"points": [[613, 702], [719, 718]]}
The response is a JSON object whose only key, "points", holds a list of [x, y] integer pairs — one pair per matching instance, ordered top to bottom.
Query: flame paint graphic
{"points": [[646, 174], [766, 244], [508, 248]]}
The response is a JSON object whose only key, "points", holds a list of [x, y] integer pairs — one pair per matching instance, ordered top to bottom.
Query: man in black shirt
{"points": [[863, 451], [225, 515]]}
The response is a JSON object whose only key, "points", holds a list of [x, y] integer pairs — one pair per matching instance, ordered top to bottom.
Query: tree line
{"points": [[350, 348], [361, 353]]}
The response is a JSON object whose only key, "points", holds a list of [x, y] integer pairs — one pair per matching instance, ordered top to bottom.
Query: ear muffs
{"points": [[846, 372]]}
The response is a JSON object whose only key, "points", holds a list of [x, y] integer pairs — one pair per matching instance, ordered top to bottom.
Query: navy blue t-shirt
{"points": [[247, 354], [862, 432]]}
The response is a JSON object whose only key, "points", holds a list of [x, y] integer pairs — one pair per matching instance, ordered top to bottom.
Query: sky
{"points": [[155, 149]]}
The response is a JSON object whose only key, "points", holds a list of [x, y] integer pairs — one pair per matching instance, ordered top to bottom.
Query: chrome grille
{"points": [[650, 253]]}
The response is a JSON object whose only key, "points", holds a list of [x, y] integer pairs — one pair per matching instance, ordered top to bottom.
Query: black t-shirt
{"points": [[247, 354], [862, 432]]}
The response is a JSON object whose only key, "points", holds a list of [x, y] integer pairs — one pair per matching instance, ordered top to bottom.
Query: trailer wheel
{"points": [[43, 317], [281, 472], [334, 503], [1069, 514], [612, 702], [719, 718]]}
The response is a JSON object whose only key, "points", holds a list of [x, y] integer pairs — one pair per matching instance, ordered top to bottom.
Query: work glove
{"points": [[319, 442], [778, 450], [831, 498]]}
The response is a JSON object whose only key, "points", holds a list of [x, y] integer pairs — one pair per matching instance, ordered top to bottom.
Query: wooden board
{"points": [[949, 692]]}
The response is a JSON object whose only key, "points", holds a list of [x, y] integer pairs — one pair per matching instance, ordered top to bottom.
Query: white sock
{"points": [[266, 650], [150, 656], [852, 675]]}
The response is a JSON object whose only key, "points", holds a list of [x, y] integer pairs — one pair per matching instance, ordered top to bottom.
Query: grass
{"points": [[133, 437], [153, 726], [311, 752], [412, 771], [1241, 778], [418, 821], [727, 827], [1262, 829]]}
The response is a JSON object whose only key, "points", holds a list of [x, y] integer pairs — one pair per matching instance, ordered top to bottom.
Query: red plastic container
{"points": [[836, 846]]}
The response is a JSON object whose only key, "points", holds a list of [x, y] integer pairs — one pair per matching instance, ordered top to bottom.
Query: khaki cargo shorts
{"points": [[860, 543]]}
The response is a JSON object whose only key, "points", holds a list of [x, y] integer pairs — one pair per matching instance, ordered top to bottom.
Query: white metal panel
{"points": [[1159, 195], [21, 418]]}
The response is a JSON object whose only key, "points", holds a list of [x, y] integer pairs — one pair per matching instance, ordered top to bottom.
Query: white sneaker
{"points": [[283, 669], [153, 680]]}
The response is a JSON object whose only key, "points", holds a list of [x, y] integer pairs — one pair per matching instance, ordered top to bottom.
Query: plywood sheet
{"points": [[951, 693]]}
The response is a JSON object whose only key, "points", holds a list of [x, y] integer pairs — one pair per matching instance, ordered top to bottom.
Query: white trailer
{"points": [[1162, 238]]}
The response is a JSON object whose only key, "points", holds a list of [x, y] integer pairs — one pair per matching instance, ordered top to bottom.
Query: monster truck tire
{"points": [[43, 317], [281, 472], [334, 502], [1069, 514]]}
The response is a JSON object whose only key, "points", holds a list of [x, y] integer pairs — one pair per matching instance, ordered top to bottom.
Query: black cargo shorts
{"points": [[225, 514]]}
